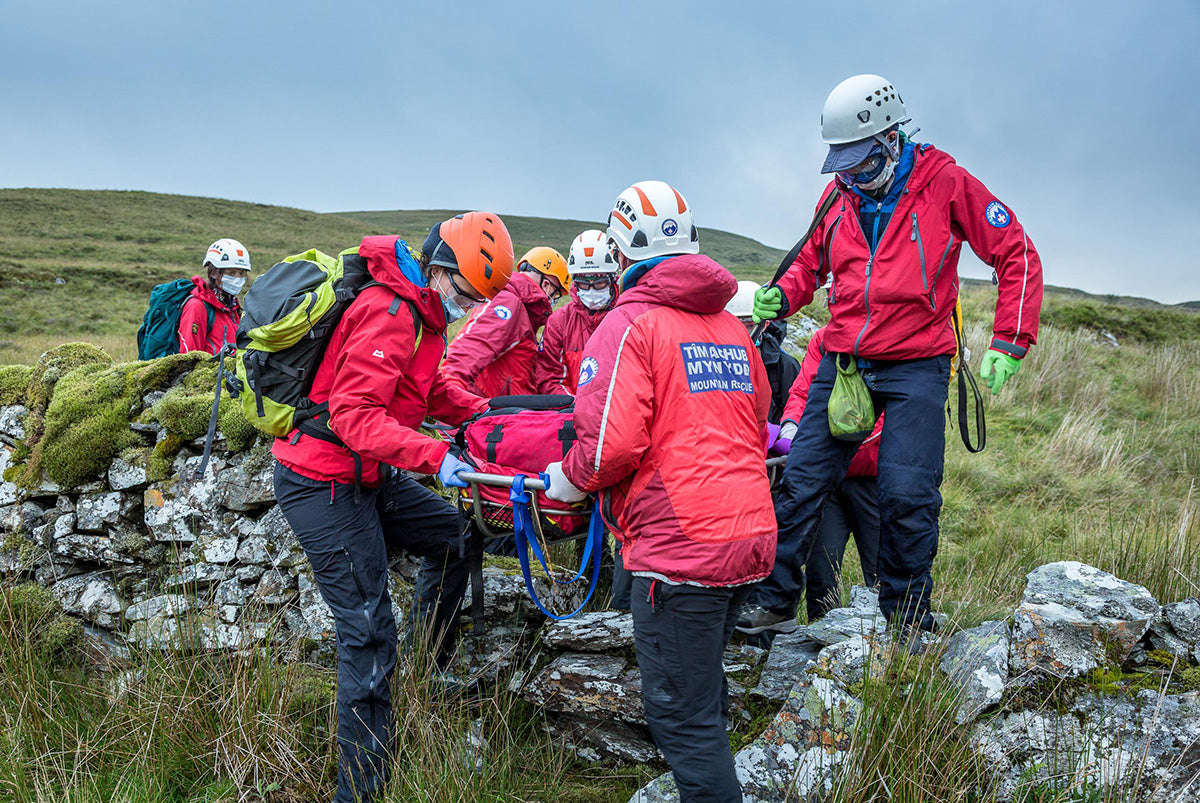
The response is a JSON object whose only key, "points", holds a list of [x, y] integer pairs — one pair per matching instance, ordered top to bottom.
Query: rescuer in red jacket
{"points": [[890, 247], [226, 267], [593, 273], [493, 355], [671, 427], [337, 487]]}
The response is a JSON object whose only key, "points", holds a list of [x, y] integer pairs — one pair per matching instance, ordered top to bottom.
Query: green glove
{"points": [[768, 302], [998, 368]]}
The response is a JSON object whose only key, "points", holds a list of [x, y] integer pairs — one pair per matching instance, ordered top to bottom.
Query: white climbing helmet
{"points": [[860, 107], [651, 219], [228, 254], [589, 254], [742, 303]]}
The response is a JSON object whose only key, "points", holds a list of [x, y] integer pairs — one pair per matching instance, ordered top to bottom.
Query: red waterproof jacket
{"points": [[896, 304], [194, 332], [493, 354], [556, 369], [381, 379], [671, 423], [866, 459]]}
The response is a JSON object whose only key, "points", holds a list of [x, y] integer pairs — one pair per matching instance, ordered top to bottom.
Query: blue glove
{"points": [[448, 471]]}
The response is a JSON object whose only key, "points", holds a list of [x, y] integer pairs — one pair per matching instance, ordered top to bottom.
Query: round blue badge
{"points": [[997, 215], [670, 227], [502, 312], [587, 370]]}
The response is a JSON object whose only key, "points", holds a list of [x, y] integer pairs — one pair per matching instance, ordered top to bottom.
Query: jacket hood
{"points": [[929, 162], [384, 255], [691, 282], [206, 294], [536, 302], [771, 344]]}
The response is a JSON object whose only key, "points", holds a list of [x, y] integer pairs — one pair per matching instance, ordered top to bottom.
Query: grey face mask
{"points": [[233, 285], [453, 311]]}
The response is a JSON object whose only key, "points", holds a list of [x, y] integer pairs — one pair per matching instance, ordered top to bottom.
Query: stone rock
{"points": [[12, 421], [124, 476], [248, 483], [45, 487], [9, 493], [183, 509], [94, 511], [23, 518], [64, 525], [271, 542], [92, 548], [218, 549], [49, 572], [249, 574], [196, 577], [275, 588], [231, 592], [504, 595], [90, 596], [164, 605], [310, 618], [862, 618], [1074, 618], [1177, 629], [596, 631], [791, 654], [493, 655], [739, 658], [976, 660], [846, 662], [600, 686], [601, 739], [1107, 744], [797, 754]]}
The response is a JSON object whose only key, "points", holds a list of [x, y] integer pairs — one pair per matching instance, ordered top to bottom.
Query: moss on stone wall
{"points": [[14, 384], [82, 406]]}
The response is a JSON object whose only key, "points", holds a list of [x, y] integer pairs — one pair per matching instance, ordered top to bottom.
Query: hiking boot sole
{"points": [[788, 626]]}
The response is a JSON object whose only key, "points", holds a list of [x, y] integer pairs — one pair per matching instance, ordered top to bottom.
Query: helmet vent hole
{"points": [[879, 103], [889, 118], [488, 234], [639, 240], [486, 255]]}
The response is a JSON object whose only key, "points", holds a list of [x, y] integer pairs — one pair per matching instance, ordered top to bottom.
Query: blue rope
{"points": [[526, 538]]}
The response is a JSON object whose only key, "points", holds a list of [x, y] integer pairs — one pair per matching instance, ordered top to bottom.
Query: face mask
{"points": [[882, 179], [233, 285], [595, 299], [453, 311]]}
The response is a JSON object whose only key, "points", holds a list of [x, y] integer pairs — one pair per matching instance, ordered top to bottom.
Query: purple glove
{"points": [[783, 440]]}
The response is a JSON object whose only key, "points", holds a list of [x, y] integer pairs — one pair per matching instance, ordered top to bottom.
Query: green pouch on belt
{"points": [[851, 412]]}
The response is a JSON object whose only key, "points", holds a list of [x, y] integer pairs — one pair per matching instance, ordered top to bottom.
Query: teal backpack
{"points": [[159, 333]]}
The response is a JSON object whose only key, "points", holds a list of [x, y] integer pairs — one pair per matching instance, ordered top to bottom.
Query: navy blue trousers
{"points": [[912, 395], [851, 509], [346, 539], [680, 634]]}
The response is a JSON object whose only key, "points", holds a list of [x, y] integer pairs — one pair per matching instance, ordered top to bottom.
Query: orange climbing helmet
{"points": [[477, 246], [548, 262]]}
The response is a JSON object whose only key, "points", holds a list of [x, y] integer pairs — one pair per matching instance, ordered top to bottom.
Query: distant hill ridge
{"points": [[80, 263]]}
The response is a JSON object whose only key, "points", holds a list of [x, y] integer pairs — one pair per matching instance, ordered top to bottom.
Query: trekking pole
{"points": [[757, 333], [228, 348]]}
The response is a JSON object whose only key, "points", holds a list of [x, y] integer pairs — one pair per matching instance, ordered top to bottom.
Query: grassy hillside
{"points": [[79, 264]]}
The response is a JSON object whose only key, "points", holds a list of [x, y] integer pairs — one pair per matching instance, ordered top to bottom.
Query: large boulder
{"points": [[1074, 618], [597, 631], [791, 654], [976, 661], [601, 686], [1102, 747]]}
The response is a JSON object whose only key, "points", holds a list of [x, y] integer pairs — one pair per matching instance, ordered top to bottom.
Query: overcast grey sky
{"points": [[1082, 117]]}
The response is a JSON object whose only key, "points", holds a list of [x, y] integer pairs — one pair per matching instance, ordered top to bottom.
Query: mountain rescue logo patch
{"points": [[997, 215], [670, 227], [502, 312], [716, 366], [588, 370]]}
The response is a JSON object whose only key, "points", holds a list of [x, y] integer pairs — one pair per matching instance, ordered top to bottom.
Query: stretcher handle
{"points": [[499, 480]]}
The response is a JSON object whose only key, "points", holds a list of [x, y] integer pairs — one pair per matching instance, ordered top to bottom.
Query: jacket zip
{"points": [[916, 235], [828, 243], [938, 275]]}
